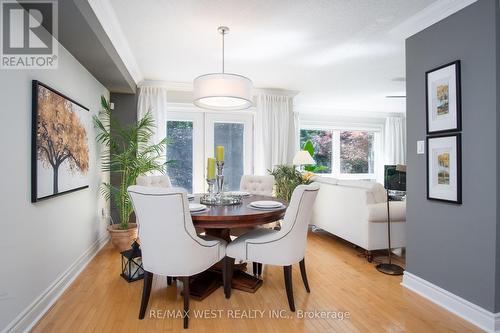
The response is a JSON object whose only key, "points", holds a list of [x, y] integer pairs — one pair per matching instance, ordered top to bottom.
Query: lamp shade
{"points": [[222, 91], [303, 158]]}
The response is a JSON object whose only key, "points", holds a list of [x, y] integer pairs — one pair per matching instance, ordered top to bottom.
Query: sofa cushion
{"points": [[325, 180], [366, 184], [378, 212]]}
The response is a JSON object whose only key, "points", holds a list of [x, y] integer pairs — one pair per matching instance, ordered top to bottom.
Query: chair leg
{"points": [[369, 256], [302, 264], [255, 269], [259, 269], [287, 270], [227, 275], [169, 280], [146, 291], [185, 292]]}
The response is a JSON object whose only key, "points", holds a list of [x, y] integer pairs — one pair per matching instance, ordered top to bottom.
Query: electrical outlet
{"points": [[420, 147]]}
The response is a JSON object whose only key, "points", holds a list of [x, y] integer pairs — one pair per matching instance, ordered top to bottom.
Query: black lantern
{"points": [[132, 264]]}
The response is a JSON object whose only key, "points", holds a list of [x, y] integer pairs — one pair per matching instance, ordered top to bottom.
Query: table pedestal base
{"points": [[245, 282], [205, 283]]}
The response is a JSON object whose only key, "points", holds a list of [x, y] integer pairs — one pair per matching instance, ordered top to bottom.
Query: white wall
{"points": [[43, 245]]}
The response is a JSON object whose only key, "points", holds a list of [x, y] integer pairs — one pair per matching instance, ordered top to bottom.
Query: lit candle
{"points": [[219, 153], [211, 168]]}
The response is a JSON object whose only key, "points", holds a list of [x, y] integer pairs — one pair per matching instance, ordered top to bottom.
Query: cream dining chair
{"points": [[154, 181], [258, 185], [261, 185], [169, 243], [272, 247]]}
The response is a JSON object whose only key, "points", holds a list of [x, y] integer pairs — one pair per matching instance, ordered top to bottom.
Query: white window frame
{"points": [[336, 128], [203, 136], [198, 144]]}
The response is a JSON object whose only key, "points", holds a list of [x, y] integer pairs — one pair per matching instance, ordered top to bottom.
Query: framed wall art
{"points": [[443, 99], [60, 148], [444, 168]]}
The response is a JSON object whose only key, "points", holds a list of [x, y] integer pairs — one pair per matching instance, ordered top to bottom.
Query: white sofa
{"points": [[356, 210]]}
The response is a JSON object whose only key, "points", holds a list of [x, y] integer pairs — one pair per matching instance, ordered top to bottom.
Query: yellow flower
{"points": [[306, 176]]}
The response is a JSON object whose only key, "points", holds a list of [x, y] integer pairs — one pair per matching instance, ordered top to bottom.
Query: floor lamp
{"points": [[394, 180]]}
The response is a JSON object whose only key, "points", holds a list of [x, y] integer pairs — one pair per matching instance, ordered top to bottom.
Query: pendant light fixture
{"points": [[222, 91]]}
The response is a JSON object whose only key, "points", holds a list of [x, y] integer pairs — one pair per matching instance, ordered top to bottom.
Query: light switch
{"points": [[420, 147]]}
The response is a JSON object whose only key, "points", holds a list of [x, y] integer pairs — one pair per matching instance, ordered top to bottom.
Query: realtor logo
{"points": [[28, 34]]}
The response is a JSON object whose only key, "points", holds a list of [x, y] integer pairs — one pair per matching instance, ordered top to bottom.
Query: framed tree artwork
{"points": [[443, 99], [60, 149], [444, 168]]}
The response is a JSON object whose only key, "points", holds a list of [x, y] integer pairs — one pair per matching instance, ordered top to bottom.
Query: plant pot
{"points": [[122, 239]]}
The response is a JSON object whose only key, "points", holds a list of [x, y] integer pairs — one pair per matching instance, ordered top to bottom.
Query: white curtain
{"points": [[154, 100], [275, 132], [395, 140]]}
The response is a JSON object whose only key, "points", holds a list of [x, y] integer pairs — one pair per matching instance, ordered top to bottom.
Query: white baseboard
{"points": [[484, 319], [25, 321]]}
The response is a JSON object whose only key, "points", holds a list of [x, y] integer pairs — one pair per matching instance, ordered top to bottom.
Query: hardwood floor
{"points": [[101, 301]]}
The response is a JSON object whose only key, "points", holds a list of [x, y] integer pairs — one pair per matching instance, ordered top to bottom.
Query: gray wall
{"points": [[83, 36], [125, 107], [125, 110], [43, 240], [455, 246], [497, 290]]}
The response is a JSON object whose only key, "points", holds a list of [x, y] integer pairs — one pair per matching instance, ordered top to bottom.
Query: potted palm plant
{"points": [[128, 154], [287, 178]]}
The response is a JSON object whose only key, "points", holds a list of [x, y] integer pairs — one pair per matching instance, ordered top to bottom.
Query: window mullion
{"points": [[336, 153]]}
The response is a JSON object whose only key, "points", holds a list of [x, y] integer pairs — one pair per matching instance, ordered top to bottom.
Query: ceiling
{"points": [[342, 55]]}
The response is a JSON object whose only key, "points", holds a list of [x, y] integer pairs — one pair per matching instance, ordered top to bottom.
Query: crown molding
{"points": [[428, 16], [107, 17], [169, 85], [188, 86], [275, 91], [325, 111]]}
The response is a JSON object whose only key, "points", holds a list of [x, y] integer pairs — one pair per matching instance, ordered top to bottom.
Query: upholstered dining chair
{"points": [[154, 181], [160, 181], [259, 185], [169, 243], [283, 247]]}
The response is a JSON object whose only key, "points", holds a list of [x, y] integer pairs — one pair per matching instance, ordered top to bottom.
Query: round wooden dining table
{"points": [[218, 221]]}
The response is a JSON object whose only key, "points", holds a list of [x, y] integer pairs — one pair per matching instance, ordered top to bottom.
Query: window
{"points": [[234, 131], [193, 135], [230, 135], [322, 142], [180, 152], [344, 152], [357, 152]]}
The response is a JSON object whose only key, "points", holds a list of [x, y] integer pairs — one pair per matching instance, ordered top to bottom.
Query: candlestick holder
{"points": [[220, 178], [210, 197]]}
